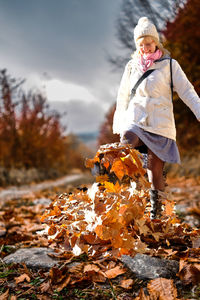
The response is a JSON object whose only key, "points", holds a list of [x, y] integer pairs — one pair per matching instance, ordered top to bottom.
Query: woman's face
{"points": [[146, 45]]}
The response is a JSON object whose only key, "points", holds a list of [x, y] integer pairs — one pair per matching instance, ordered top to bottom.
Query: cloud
{"points": [[66, 39], [63, 42], [57, 90], [80, 117]]}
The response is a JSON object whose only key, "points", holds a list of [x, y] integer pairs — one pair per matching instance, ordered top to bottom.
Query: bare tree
{"points": [[159, 12]]}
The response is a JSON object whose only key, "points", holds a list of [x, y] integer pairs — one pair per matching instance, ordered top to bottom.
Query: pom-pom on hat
{"points": [[145, 28]]}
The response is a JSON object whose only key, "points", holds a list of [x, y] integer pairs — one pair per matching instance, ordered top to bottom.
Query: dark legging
{"points": [[155, 164]]}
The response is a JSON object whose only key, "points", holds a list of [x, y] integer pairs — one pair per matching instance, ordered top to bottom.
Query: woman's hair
{"points": [[158, 45]]}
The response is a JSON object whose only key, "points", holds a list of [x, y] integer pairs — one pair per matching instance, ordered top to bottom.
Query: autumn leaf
{"points": [[89, 163], [106, 164], [119, 168], [102, 178], [112, 188], [169, 208], [91, 267], [95, 273], [112, 273], [190, 274], [22, 278], [63, 283], [127, 283], [45, 286], [162, 288], [5, 295], [142, 296]]}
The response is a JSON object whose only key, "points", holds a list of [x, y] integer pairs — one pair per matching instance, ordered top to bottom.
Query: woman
{"points": [[146, 117]]}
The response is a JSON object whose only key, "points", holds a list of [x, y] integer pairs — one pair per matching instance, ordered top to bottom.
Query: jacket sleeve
{"points": [[185, 89], [122, 100]]}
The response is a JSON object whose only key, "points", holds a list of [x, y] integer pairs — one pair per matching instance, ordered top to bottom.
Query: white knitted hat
{"points": [[145, 27]]}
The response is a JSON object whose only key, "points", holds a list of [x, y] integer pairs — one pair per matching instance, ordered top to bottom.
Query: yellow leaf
{"points": [[102, 178], [112, 188]]}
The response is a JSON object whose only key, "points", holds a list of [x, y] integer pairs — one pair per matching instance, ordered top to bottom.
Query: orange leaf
{"points": [[89, 163], [106, 164], [119, 168], [102, 178], [111, 188], [169, 208], [91, 267], [112, 273], [22, 278], [127, 283], [163, 288], [5, 295]]}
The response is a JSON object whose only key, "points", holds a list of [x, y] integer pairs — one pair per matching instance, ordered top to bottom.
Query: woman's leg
{"points": [[131, 138], [155, 171], [155, 174]]}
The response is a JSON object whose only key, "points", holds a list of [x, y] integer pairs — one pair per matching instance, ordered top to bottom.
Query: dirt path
{"points": [[14, 192]]}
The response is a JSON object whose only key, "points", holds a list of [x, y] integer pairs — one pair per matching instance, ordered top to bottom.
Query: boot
{"points": [[156, 205]]}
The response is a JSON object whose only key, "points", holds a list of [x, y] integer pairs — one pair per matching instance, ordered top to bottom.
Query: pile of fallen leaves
{"points": [[114, 217], [111, 219]]}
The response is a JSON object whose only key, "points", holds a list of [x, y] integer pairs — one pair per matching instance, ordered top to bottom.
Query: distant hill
{"points": [[89, 139]]}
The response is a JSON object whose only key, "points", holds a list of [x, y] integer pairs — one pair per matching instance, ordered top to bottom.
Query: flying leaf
{"points": [[119, 168], [102, 178], [112, 188]]}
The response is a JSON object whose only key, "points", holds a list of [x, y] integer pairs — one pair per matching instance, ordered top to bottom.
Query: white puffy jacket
{"points": [[151, 108]]}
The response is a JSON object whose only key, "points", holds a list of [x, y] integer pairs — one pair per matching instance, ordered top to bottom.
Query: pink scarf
{"points": [[146, 60]]}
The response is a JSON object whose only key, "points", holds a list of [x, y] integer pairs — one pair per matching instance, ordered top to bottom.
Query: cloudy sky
{"points": [[60, 47]]}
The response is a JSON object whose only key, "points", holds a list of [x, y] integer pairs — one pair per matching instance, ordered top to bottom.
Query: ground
{"points": [[20, 221]]}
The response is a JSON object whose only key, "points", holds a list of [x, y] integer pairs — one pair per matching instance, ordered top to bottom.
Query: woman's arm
{"points": [[185, 89], [123, 96]]}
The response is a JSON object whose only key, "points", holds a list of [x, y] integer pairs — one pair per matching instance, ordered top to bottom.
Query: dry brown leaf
{"points": [[91, 267], [112, 273], [190, 274], [98, 276], [22, 278], [127, 283], [63, 284], [44, 287], [162, 287], [5, 295], [142, 296], [13, 297]]}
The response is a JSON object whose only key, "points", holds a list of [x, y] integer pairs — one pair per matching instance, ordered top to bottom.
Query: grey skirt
{"points": [[166, 149]]}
